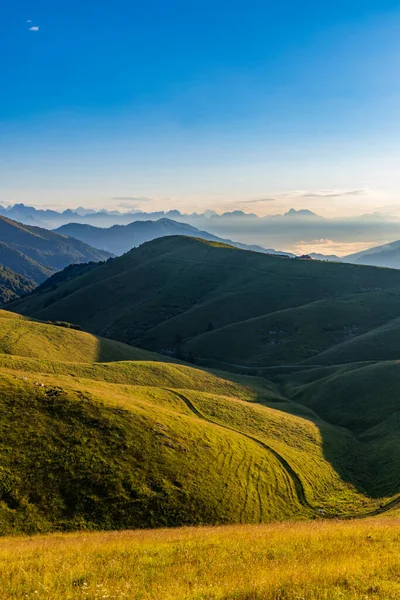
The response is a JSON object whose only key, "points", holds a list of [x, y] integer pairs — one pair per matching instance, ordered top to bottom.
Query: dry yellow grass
{"points": [[325, 560]]}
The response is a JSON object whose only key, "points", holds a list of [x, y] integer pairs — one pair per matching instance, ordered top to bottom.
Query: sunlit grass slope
{"points": [[21, 336], [142, 443], [356, 560]]}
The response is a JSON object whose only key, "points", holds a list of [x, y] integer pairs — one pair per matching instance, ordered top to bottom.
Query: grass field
{"points": [[20, 336], [143, 442], [354, 560]]}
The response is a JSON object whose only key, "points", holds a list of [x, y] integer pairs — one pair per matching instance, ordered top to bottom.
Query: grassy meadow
{"points": [[140, 442], [325, 560]]}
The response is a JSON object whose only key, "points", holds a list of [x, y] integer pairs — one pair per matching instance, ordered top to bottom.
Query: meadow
{"points": [[98, 435], [324, 560]]}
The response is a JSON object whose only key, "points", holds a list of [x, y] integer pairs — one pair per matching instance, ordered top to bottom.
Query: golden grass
{"points": [[21, 336], [325, 560]]}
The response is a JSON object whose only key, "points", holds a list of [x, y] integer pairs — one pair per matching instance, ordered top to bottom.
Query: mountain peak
{"points": [[303, 212]]}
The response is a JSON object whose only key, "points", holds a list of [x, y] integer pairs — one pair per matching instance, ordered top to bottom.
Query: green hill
{"points": [[37, 253], [13, 285], [211, 302], [60, 342], [142, 442]]}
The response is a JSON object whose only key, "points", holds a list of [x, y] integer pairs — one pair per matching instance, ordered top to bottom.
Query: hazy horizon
{"points": [[291, 232]]}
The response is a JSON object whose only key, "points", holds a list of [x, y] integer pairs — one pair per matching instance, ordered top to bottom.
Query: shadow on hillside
{"points": [[340, 447], [348, 456]]}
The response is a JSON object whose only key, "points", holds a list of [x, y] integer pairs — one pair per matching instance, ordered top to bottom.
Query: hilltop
{"points": [[122, 238], [37, 253], [212, 302]]}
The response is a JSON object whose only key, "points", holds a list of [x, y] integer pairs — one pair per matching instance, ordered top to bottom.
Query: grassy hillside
{"points": [[37, 253], [13, 285], [201, 299], [297, 334], [23, 337], [381, 343], [143, 442], [314, 561]]}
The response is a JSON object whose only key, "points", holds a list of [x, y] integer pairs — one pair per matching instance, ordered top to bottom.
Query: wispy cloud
{"points": [[29, 21], [34, 28], [332, 193], [258, 201], [130, 202]]}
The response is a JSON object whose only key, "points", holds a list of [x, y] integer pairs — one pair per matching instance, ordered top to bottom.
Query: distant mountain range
{"points": [[51, 218], [283, 231], [263, 234], [118, 239], [37, 253]]}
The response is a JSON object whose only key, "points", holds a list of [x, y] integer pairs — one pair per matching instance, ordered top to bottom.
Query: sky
{"points": [[259, 106]]}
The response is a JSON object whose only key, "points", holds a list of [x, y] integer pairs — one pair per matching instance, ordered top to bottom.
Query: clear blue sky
{"points": [[200, 103]]}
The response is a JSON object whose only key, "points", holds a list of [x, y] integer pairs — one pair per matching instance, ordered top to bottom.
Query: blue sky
{"points": [[197, 105]]}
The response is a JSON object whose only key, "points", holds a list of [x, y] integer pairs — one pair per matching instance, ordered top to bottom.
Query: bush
{"points": [[65, 324]]}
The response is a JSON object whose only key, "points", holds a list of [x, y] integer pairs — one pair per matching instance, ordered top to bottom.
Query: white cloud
{"points": [[29, 21], [35, 28], [333, 193]]}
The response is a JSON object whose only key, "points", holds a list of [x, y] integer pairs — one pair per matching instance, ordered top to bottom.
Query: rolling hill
{"points": [[122, 238], [37, 253], [13, 285], [212, 302], [146, 442]]}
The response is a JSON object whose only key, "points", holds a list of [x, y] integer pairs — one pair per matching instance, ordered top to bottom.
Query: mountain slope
{"points": [[122, 238], [38, 252], [387, 255], [23, 265], [13, 285], [180, 294], [145, 443]]}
